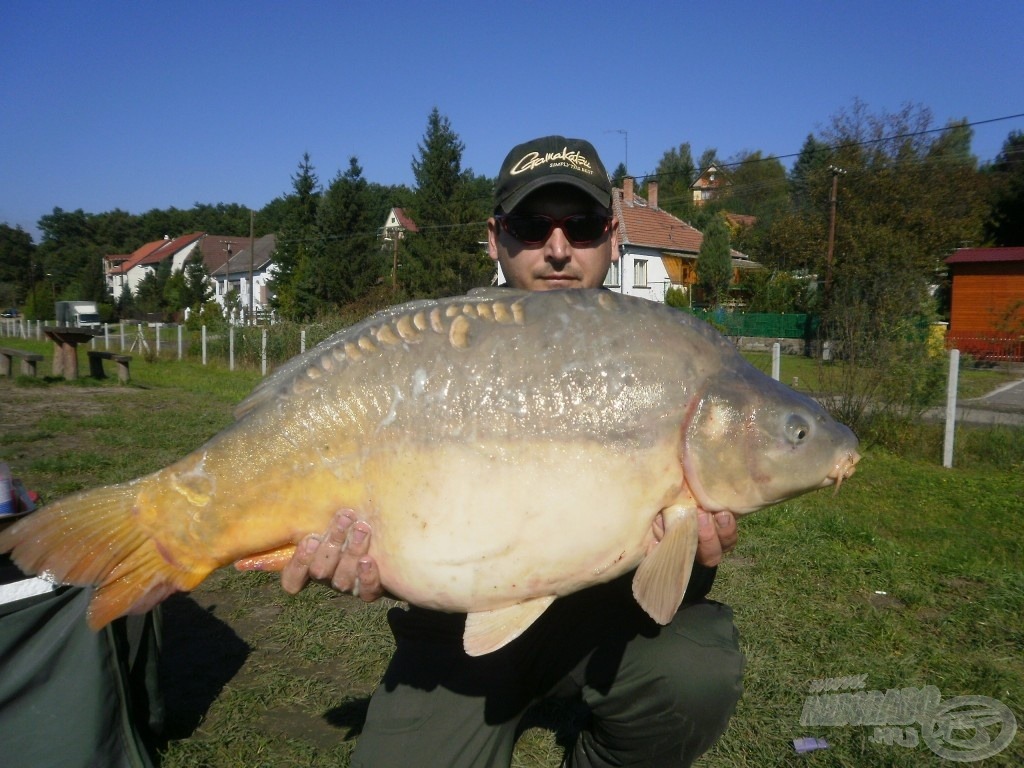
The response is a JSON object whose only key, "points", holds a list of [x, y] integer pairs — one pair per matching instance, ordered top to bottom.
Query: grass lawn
{"points": [[909, 577]]}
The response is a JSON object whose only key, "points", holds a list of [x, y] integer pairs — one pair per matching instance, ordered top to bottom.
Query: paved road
{"points": [[1004, 405]]}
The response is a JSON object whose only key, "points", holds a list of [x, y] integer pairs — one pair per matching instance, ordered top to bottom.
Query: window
{"points": [[640, 273], [611, 279]]}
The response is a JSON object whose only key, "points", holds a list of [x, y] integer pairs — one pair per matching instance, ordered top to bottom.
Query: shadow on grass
{"points": [[200, 655]]}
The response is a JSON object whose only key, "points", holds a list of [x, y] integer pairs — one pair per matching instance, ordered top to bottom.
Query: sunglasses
{"points": [[580, 229]]}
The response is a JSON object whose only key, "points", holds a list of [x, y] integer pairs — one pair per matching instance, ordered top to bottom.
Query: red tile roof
{"points": [[404, 220], [642, 225], [169, 248], [979, 255]]}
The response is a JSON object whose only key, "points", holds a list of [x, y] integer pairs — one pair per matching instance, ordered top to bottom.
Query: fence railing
{"points": [[988, 348]]}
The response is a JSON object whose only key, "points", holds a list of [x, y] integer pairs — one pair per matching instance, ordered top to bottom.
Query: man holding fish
{"points": [[654, 695]]}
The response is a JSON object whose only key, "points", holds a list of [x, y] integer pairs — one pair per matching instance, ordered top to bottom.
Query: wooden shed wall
{"points": [[983, 293]]}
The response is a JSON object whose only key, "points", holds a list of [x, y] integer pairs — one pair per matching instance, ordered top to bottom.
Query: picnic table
{"points": [[65, 348]]}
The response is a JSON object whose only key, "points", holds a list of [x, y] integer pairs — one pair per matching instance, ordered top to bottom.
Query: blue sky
{"points": [[141, 105]]}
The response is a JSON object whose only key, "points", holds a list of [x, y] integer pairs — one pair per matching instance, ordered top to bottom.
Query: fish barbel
{"points": [[506, 448]]}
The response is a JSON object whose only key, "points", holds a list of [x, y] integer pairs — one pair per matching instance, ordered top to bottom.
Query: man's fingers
{"points": [[728, 531], [325, 562], [295, 574], [367, 586]]}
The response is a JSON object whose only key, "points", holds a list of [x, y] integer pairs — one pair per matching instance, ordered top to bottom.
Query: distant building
{"points": [[708, 185], [658, 250], [247, 275], [987, 314]]}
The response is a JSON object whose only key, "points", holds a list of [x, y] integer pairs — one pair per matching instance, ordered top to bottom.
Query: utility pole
{"points": [[836, 172], [252, 248]]}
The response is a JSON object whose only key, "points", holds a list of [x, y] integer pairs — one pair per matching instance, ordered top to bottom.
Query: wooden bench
{"points": [[96, 359], [28, 361]]}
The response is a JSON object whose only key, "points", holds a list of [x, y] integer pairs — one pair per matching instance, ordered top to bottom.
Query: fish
{"points": [[506, 448]]}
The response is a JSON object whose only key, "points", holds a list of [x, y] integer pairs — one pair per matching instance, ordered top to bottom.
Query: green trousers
{"points": [[652, 696], [72, 697]]}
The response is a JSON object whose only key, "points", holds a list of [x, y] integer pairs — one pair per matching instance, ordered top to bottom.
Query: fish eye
{"points": [[797, 429]]}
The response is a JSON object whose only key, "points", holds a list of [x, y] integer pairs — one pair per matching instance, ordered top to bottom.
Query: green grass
{"points": [[910, 575]]}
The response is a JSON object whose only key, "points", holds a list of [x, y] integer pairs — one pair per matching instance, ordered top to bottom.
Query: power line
{"points": [[866, 142]]}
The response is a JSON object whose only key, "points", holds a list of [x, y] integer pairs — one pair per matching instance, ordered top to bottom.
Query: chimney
{"points": [[627, 190], [652, 194]]}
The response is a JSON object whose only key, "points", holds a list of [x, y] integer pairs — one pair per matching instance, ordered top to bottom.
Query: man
{"points": [[656, 696]]}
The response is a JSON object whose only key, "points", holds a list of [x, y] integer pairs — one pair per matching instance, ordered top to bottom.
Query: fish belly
{"points": [[471, 528]]}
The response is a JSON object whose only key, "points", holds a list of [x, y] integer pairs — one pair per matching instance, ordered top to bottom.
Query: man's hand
{"points": [[716, 535], [339, 558]]}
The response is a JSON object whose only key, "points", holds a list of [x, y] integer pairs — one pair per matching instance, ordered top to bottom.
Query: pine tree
{"points": [[297, 235], [446, 256], [714, 262]]}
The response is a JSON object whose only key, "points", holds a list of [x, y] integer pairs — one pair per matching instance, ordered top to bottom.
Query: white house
{"points": [[656, 249], [236, 273]]}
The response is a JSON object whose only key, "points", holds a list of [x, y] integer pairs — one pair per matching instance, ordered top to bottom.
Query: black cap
{"points": [[551, 160]]}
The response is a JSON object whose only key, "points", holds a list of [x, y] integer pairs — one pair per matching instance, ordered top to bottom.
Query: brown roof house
{"points": [[657, 250], [128, 271], [240, 272], [987, 314]]}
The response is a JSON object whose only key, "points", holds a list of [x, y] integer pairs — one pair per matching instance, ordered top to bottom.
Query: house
{"points": [[708, 185], [395, 226], [656, 249], [128, 270], [122, 271], [242, 271], [987, 314]]}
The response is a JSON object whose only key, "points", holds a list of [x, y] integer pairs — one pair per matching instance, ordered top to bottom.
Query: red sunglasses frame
{"points": [[552, 223]]}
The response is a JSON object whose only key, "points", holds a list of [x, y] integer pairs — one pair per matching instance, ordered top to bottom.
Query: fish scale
{"points": [[506, 448]]}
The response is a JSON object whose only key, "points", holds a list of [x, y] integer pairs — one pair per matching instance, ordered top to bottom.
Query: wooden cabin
{"points": [[987, 314]]}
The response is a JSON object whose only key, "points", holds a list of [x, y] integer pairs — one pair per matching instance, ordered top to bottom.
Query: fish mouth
{"points": [[843, 469]]}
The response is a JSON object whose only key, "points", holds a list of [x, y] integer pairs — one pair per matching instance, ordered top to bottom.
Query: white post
{"points": [[122, 335], [106, 337], [158, 339], [302, 341], [204, 345], [231, 347], [180, 348], [263, 353], [776, 358], [954, 372]]}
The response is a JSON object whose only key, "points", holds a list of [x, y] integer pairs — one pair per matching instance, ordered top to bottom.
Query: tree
{"points": [[675, 173], [619, 175], [1005, 226], [297, 236], [17, 254], [447, 256], [346, 261], [714, 262]]}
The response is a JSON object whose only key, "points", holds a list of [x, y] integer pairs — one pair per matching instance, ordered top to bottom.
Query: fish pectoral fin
{"points": [[271, 560], [660, 581], [487, 631]]}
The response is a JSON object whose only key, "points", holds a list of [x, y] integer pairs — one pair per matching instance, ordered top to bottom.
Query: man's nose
{"points": [[557, 247]]}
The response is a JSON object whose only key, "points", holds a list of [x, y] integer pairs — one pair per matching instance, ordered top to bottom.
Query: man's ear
{"points": [[493, 230], [615, 239]]}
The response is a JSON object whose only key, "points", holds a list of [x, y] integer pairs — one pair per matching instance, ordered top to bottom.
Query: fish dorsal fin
{"points": [[661, 579], [487, 631]]}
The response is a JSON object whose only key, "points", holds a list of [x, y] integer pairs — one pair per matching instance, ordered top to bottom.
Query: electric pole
{"points": [[836, 172], [252, 247]]}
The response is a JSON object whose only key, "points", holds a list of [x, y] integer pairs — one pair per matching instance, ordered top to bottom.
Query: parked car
{"points": [[9, 312]]}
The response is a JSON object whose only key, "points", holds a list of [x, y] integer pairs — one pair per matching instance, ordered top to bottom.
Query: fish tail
{"points": [[93, 538]]}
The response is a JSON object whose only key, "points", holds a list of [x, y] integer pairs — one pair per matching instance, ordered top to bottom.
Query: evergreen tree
{"points": [[675, 173], [1005, 226], [294, 244], [17, 254], [447, 256], [346, 262], [714, 262]]}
